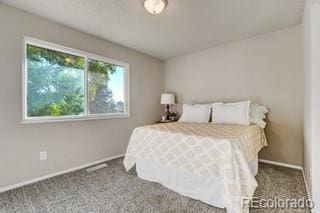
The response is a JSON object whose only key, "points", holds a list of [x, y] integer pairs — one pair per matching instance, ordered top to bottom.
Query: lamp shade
{"points": [[167, 98]]}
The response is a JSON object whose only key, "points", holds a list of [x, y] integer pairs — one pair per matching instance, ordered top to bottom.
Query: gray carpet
{"points": [[112, 189]]}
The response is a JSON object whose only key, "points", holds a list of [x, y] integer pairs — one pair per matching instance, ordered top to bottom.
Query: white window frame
{"points": [[44, 119]]}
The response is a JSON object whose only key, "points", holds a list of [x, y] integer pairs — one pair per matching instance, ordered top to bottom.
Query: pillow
{"points": [[199, 113], [231, 113], [257, 115]]}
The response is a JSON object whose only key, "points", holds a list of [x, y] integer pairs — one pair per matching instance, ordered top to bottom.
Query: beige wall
{"points": [[267, 69], [312, 100], [69, 144]]}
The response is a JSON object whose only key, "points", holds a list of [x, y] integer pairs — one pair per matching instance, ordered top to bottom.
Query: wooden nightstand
{"points": [[164, 122]]}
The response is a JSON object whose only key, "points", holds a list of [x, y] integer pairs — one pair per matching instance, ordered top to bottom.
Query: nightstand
{"points": [[164, 122]]}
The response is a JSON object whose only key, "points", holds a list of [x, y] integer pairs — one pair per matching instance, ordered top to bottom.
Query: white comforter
{"points": [[207, 150]]}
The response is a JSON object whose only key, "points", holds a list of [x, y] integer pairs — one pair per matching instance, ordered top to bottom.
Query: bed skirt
{"points": [[205, 189]]}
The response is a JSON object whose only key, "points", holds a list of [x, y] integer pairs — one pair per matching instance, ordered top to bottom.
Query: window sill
{"points": [[72, 118]]}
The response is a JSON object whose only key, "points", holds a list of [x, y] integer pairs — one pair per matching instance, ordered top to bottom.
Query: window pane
{"points": [[55, 83], [105, 87]]}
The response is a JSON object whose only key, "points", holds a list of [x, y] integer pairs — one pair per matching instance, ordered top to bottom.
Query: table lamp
{"points": [[167, 99]]}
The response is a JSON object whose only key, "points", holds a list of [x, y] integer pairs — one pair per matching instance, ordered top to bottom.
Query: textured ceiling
{"points": [[184, 27]]}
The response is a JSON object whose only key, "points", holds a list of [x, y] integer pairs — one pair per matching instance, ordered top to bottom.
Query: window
{"points": [[60, 83]]}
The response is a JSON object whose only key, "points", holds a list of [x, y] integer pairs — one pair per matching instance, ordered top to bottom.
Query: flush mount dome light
{"points": [[155, 6]]}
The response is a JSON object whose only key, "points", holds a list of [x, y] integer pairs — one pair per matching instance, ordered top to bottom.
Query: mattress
{"points": [[205, 150]]}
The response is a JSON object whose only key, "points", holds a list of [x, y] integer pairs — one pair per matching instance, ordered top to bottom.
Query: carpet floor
{"points": [[112, 189]]}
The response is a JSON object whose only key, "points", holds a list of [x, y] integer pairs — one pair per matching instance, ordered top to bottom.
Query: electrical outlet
{"points": [[43, 155]]}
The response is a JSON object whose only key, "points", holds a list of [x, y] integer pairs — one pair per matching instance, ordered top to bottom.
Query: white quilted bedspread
{"points": [[203, 149]]}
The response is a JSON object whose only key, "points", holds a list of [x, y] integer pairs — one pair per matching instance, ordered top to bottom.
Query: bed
{"points": [[214, 163]]}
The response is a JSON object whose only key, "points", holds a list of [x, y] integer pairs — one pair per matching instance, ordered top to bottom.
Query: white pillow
{"points": [[199, 113], [231, 113], [258, 114]]}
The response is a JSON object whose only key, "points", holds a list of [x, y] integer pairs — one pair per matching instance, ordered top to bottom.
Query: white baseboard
{"points": [[281, 164], [24, 183], [306, 185]]}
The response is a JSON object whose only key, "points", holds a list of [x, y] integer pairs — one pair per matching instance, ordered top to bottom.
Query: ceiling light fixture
{"points": [[155, 6]]}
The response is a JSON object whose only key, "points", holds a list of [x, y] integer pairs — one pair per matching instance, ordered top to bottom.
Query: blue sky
{"points": [[116, 84]]}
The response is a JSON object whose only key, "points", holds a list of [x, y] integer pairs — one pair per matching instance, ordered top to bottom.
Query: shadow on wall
{"points": [[278, 133]]}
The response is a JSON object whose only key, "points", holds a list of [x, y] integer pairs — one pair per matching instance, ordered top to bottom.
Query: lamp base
{"points": [[167, 113]]}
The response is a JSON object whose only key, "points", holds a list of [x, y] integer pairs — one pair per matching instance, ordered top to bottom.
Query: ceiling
{"points": [[185, 26]]}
